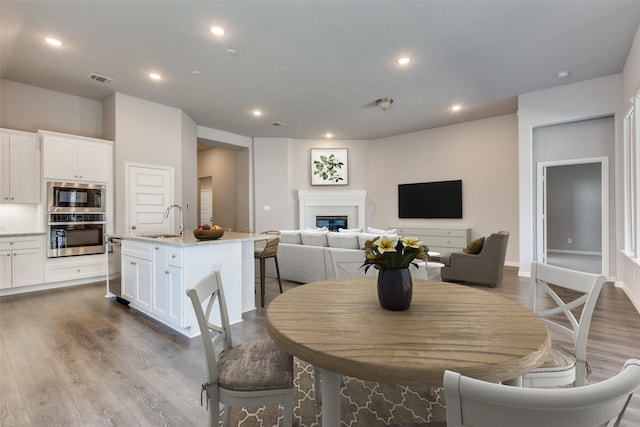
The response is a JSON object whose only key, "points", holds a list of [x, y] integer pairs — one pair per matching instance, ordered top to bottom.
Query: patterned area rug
{"points": [[363, 403]]}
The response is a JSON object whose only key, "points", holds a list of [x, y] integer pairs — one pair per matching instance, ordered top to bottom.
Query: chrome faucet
{"points": [[166, 215]]}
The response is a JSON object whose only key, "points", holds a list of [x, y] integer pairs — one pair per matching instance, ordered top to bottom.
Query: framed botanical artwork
{"points": [[329, 166]]}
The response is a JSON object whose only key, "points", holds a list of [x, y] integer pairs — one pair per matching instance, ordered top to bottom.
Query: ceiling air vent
{"points": [[101, 79], [276, 124]]}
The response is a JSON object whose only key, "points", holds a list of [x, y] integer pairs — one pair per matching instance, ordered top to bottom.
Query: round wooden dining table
{"points": [[340, 327]]}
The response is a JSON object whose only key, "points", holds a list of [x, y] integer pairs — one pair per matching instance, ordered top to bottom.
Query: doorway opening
{"points": [[205, 200], [573, 214]]}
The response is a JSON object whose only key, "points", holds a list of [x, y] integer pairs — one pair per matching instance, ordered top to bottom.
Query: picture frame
{"points": [[329, 166]]}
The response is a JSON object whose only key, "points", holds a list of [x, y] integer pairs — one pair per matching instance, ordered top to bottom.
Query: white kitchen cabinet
{"points": [[75, 158], [20, 163], [21, 261], [75, 268], [137, 275], [136, 282], [167, 284]]}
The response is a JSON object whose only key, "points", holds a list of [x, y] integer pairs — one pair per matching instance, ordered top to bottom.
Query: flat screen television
{"points": [[441, 199]]}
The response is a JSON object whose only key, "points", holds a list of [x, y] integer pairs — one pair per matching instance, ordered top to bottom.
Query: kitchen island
{"points": [[156, 271]]}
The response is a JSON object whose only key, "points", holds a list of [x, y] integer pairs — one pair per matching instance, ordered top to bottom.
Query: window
{"points": [[632, 178]]}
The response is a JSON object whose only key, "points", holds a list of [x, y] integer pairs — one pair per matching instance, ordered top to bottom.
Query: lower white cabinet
{"points": [[21, 261], [74, 268], [137, 274], [156, 275], [152, 281], [167, 284]]}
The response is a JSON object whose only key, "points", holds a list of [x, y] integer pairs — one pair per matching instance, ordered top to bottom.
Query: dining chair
{"points": [[264, 249], [566, 290], [251, 374], [472, 402]]}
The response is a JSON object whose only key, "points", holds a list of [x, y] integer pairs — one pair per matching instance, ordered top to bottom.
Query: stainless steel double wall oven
{"points": [[76, 218]]}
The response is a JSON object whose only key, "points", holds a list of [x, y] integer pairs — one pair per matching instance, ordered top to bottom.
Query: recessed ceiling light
{"points": [[218, 31], [53, 42], [231, 52], [404, 61], [196, 72], [563, 74], [155, 76], [456, 107], [257, 113], [329, 135]]}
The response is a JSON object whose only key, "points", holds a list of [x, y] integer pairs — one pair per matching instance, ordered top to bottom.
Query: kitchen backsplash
{"points": [[19, 217]]}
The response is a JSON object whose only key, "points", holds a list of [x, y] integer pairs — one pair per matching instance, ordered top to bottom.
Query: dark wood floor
{"points": [[70, 357]]}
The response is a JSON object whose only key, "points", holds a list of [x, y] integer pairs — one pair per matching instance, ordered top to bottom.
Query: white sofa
{"points": [[305, 256]]}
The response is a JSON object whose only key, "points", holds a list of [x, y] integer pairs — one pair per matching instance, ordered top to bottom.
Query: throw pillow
{"points": [[343, 240], [475, 246]]}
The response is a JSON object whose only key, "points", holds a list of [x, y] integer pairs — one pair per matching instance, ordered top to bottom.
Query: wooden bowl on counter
{"points": [[210, 234]]}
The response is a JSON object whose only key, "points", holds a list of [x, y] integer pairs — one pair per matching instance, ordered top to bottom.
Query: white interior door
{"points": [[150, 193]]}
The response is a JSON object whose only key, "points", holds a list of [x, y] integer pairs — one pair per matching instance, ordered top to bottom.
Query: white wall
{"points": [[568, 103], [30, 109], [151, 134], [482, 153], [189, 164], [282, 166], [272, 184]]}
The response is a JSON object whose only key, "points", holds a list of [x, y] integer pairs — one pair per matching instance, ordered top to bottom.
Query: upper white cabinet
{"points": [[75, 158], [20, 163]]}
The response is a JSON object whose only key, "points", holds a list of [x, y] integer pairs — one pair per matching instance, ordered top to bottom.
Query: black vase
{"points": [[395, 288]]}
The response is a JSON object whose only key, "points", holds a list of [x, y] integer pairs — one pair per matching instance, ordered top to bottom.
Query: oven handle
{"points": [[77, 223]]}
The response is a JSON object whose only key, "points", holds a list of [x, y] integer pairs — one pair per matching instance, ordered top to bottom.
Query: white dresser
{"points": [[439, 239]]}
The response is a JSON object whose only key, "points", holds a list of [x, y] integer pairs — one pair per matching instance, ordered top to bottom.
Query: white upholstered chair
{"points": [[570, 290], [252, 374], [471, 402]]}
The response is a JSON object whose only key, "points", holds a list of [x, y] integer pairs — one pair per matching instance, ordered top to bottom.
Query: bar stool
{"points": [[270, 250]]}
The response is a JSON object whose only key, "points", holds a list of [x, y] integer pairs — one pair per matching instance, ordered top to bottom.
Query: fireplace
{"points": [[349, 204], [332, 222]]}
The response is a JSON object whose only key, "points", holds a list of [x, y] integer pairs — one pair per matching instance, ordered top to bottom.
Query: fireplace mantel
{"points": [[332, 202]]}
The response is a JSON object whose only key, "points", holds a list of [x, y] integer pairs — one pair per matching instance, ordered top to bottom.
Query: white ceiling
{"points": [[317, 66]]}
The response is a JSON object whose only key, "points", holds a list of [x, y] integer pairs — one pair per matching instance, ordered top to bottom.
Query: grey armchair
{"points": [[485, 268]]}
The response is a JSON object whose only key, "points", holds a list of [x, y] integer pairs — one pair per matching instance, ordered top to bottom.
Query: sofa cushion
{"points": [[316, 229], [379, 231], [290, 236], [314, 238], [343, 240], [474, 247]]}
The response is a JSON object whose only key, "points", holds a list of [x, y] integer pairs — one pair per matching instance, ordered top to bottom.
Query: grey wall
{"points": [[29, 108], [582, 139], [220, 165]]}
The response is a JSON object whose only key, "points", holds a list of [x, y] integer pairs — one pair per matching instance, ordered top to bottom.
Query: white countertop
{"points": [[20, 233], [190, 240]]}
